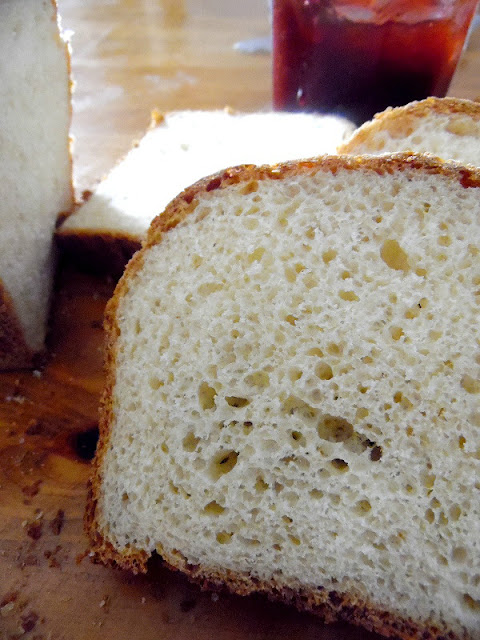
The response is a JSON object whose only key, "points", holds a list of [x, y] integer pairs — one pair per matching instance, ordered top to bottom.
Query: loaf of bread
{"points": [[446, 127], [180, 148], [35, 170], [292, 395]]}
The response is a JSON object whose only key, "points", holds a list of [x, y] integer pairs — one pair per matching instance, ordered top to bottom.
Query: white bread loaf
{"points": [[446, 127], [180, 148], [35, 170], [292, 395]]}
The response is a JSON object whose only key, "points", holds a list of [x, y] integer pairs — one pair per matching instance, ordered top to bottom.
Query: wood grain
{"points": [[128, 57]]}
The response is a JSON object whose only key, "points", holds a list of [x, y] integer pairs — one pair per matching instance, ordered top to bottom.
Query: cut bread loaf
{"points": [[446, 127], [180, 148], [35, 170], [292, 396]]}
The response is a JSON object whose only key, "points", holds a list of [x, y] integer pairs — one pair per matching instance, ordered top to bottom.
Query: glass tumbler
{"points": [[357, 57]]}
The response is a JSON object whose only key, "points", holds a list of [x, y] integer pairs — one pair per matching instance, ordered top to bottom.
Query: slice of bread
{"points": [[446, 127], [180, 148], [35, 170], [292, 396]]}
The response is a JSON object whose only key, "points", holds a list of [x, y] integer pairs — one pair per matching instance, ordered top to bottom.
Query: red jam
{"points": [[327, 58]]}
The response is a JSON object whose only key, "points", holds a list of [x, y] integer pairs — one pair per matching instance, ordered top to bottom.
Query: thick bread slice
{"points": [[446, 127], [180, 148], [35, 170], [292, 396]]}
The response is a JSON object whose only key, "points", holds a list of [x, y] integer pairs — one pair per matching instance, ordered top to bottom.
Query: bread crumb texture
{"points": [[297, 391]]}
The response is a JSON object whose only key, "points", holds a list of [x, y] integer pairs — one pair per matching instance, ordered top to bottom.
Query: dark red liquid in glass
{"points": [[329, 64]]}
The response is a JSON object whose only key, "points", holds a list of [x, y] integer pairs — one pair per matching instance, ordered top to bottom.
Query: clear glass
{"points": [[358, 57]]}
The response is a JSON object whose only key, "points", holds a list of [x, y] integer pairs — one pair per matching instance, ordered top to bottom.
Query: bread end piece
{"points": [[35, 171]]}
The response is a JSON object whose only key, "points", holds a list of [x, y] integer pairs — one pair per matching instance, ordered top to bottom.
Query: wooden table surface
{"points": [[129, 56]]}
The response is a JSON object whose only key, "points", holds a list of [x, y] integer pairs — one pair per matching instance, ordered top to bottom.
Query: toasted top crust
{"points": [[397, 120], [185, 203]]}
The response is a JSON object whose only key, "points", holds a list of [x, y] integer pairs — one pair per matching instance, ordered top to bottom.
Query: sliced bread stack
{"points": [[446, 127], [180, 148], [35, 170], [292, 402]]}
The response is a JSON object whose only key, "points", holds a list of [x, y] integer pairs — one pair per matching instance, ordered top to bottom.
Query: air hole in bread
{"points": [[256, 255], [329, 255], [394, 256], [207, 288], [396, 332], [324, 371], [295, 374], [258, 379], [155, 383], [470, 384], [206, 396], [237, 402], [361, 413], [247, 427], [334, 429], [298, 438], [190, 441], [223, 463], [339, 464], [260, 485], [363, 507], [213, 508], [455, 512], [429, 516], [224, 537], [471, 603]]}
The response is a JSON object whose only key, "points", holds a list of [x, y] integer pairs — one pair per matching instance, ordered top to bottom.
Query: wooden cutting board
{"points": [[128, 57]]}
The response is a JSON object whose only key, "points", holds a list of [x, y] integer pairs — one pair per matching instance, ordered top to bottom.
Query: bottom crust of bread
{"points": [[14, 351], [328, 605]]}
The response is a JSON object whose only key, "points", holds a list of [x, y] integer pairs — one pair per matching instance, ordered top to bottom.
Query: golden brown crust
{"points": [[399, 121], [185, 202], [14, 351], [133, 559], [327, 604], [331, 605]]}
